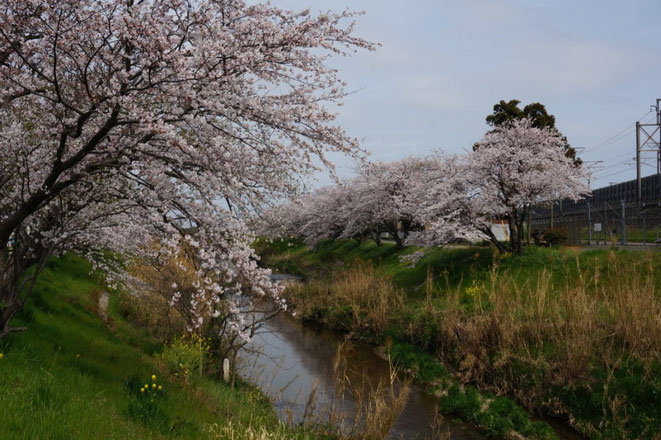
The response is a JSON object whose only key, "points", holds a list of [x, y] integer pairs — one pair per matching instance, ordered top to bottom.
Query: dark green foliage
{"points": [[507, 111], [555, 236], [425, 329], [426, 368], [632, 386], [464, 403], [149, 413], [497, 415]]}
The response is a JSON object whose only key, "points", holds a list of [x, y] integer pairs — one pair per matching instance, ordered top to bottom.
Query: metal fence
{"points": [[611, 215]]}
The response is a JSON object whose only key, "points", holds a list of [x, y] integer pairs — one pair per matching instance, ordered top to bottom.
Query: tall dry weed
{"points": [[356, 298], [524, 336], [377, 405]]}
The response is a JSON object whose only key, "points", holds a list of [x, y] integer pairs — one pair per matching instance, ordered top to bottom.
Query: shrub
{"points": [[555, 236], [185, 354]]}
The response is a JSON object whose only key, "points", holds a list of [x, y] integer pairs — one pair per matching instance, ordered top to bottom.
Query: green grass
{"points": [[634, 234], [450, 267], [71, 376]]}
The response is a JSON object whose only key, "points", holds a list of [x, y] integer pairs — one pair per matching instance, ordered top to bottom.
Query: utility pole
{"points": [[648, 139], [658, 144], [592, 165], [639, 189], [589, 225], [603, 234], [623, 234]]}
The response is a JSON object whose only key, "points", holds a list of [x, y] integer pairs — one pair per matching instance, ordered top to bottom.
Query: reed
{"points": [[356, 298], [600, 332]]}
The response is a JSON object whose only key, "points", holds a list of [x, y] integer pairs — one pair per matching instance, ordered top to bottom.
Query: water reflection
{"points": [[288, 360]]}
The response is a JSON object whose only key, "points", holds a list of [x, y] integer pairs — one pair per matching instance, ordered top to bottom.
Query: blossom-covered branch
{"points": [[124, 122]]}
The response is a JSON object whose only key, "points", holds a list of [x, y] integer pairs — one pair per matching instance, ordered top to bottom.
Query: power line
{"points": [[617, 135], [623, 136], [618, 156], [615, 157], [614, 166], [614, 173]]}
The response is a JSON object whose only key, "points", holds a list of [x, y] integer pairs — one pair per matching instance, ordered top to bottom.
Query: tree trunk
{"points": [[528, 218], [515, 221], [521, 222], [514, 233], [377, 238], [397, 238], [494, 240], [519, 240], [18, 282], [5, 320], [233, 367]]}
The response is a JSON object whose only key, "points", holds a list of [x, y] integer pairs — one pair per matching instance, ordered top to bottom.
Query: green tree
{"points": [[508, 111]]}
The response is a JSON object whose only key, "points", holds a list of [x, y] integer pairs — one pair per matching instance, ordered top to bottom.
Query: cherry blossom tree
{"points": [[129, 121], [515, 166], [512, 168], [445, 198], [382, 199], [377, 200], [441, 200], [322, 214], [314, 217]]}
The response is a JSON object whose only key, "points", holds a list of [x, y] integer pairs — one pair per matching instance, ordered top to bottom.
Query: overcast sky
{"points": [[595, 65]]}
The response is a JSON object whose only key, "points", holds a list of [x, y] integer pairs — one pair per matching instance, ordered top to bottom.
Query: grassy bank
{"points": [[560, 331], [72, 375]]}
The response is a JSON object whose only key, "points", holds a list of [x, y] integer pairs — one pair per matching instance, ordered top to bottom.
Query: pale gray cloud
{"points": [[443, 64]]}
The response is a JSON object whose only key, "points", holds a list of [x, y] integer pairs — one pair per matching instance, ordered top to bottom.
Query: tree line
{"points": [[443, 198]]}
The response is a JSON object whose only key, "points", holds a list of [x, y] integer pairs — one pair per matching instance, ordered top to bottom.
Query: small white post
{"points": [[226, 370]]}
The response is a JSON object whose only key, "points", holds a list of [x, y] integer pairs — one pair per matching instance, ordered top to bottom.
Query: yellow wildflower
{"points": [[1, 355], [153, 377], [153, 385], [146, 386], [160, 388], [142, 390]]}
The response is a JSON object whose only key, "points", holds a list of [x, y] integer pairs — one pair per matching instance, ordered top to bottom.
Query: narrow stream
{"points": [[288, 359], [292, 359]]}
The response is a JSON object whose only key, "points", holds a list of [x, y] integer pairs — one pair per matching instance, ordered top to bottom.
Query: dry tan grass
{"points": [[154, 281], [370, 299], [373, 299], [522, 332], [564, 332], [240, 432]]}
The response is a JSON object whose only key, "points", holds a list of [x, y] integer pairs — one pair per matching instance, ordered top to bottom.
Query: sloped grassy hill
{"points": [[72, 375]]}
